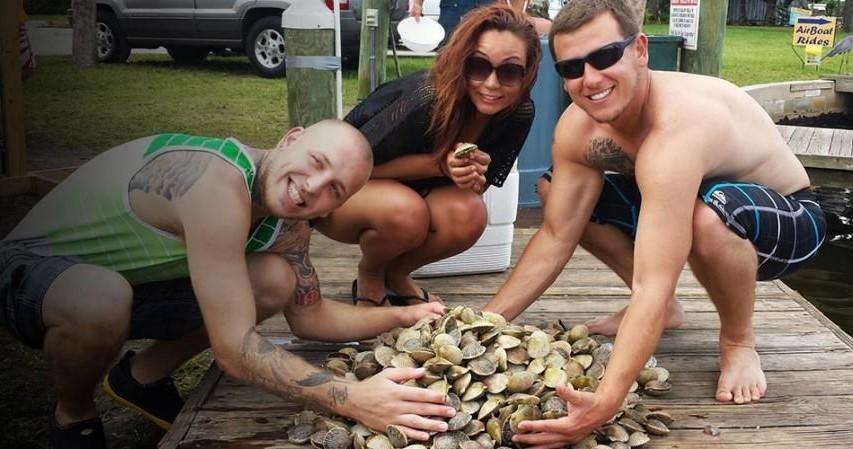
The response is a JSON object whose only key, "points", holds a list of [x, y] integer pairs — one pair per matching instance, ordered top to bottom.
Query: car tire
{"points": [[112, 44], [265, 47], [185, 54]]}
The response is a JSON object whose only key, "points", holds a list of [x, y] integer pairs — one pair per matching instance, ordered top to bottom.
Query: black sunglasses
{"points": [[601, 59], [479, 69]]}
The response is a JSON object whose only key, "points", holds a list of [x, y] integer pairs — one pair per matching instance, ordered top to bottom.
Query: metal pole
{"points": [[339, 82]]}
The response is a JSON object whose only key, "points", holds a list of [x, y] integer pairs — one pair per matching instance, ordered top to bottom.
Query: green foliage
{"points": [[833, 8]]}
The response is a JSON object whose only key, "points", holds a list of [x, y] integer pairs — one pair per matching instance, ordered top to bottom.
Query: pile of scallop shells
{"points": [[496, 374]]}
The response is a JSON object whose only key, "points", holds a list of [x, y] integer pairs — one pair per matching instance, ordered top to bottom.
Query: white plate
{"points": [[420, 36]]}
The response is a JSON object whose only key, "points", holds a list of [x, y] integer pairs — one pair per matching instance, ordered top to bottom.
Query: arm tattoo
{"points": [[603, 153], [172, 174], [293, 242], [288, 376], [318, 378], [338, 396]]}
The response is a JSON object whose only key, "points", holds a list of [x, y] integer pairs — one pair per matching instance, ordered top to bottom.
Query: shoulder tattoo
{"points": [[605, 154], [172, 174]]}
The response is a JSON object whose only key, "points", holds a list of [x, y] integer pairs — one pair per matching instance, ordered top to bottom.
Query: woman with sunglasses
{"points": [[422, 203]]}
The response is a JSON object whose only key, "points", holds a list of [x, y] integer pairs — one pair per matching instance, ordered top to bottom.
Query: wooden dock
{"points": [[820, 148], [808, 361]]}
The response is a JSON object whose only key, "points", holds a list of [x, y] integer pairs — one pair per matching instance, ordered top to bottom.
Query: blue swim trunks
{"points": [[786, 231]]}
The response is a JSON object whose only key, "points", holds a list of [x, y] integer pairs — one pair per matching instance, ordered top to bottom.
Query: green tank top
{"points": [[88, 215]]}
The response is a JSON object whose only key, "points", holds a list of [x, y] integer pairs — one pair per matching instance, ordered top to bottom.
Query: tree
{"points": [[848, 16], [84, 45]]}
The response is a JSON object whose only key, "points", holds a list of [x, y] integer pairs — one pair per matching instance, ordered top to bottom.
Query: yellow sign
{"points": [[814, 31], [813, 54]]}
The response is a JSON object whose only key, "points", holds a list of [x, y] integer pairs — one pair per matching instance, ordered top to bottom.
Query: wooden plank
{"points": [[12, 94], [786, 131], [800, 139], [820, 142], [845, 145], [15, 185], [820, 317], [808, 362], [187, 417], [258, 429]]}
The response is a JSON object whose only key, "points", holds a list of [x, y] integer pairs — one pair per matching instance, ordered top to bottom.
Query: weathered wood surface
{"points": [[823, 148], [808, 361]]}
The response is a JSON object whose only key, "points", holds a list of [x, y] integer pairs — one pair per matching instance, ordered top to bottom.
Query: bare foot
{"points": [[371, 287], [408, 287], [608, 325], [741, 377]]}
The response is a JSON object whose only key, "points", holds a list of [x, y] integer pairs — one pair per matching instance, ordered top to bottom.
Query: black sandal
{"points": [[356, 299], [403, 300]]}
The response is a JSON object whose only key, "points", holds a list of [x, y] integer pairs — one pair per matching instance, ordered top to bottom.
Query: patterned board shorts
{"points": [[787, 231], [165, 310]]}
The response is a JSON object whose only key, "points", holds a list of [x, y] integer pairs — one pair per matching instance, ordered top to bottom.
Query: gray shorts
{"points": [[165, 310]]}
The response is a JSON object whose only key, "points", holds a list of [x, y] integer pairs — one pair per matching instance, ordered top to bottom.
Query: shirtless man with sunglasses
{"points": [[719, 188]]}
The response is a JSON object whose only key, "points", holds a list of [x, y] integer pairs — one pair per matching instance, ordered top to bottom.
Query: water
{"points": [[827, 281]]}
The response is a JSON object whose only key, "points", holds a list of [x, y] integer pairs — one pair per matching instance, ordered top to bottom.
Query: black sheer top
{"points": [[395, 118]]}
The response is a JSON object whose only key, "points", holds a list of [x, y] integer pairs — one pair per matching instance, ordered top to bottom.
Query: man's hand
{"points": [[416, 11], [468, 172], [410, 315], [379, 401], [586, 413]]}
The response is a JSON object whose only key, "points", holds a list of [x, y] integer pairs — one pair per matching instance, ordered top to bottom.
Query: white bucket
{"points": [[421, 35], [492, 252]]}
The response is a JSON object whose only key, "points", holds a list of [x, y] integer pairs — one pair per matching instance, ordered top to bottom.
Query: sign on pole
{"points": [[684, 21], [814, 31], [813, 54]]}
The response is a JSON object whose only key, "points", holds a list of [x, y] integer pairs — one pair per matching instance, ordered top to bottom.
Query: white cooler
{"points": [[493, 250]]}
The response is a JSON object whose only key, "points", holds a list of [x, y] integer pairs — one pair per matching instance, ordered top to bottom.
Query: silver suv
{"points": [[191, 29]]}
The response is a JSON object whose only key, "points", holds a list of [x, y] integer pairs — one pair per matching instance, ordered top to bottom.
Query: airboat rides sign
{"points": [[818, 31]]}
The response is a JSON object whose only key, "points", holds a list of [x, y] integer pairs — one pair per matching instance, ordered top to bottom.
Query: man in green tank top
{"points": [[192, 241]]}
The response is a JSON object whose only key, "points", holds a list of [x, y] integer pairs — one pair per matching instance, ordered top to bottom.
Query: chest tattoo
{"points": [[605, 154]]}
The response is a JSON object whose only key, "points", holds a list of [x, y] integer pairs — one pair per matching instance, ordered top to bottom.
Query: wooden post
{"points": [[375, 19], [309, 31], [84, 50], [707, 59], [15, 153]]}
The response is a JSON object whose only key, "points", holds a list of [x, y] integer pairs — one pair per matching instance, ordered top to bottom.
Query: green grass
{"points": [[755, 55], [103, 106], [100, 107]]}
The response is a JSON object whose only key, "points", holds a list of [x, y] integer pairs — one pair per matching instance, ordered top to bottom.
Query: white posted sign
{"points": [[684, 21]]}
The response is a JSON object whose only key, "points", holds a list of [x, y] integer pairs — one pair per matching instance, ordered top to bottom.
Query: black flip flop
{"points": [[356, 299], [403, 300]]}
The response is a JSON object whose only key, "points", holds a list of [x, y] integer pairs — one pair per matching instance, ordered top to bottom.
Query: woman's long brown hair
{"points": [[453, 108]]}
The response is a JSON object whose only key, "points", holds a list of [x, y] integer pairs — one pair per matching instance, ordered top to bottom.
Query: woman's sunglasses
{"points": [[601, 59], [479, 69]]}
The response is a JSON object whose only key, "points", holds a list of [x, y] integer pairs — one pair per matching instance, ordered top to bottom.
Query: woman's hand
{"points": [[468, 172], [410, 315], [380, 400]]}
